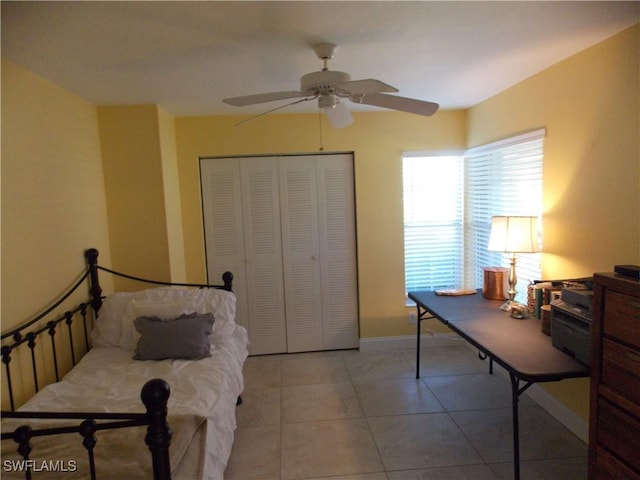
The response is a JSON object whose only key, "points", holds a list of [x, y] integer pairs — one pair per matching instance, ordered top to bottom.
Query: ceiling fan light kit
{"points": [[330, 86], [327, 101], [336, 111]]}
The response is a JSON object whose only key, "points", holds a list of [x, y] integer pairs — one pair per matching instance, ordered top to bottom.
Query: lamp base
{"points": [[506, 306], [517, 309]]}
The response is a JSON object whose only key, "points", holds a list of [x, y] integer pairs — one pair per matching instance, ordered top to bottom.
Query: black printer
{"points": [[571, 316]]}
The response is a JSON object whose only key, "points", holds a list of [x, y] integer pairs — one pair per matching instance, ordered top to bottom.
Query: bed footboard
{"points": [[154, 395]]}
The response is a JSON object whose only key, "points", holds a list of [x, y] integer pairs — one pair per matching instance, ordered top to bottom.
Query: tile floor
{"points": [[353, 415]]}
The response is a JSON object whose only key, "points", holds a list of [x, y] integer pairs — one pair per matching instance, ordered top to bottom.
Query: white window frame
{"points": [[493, 173]]}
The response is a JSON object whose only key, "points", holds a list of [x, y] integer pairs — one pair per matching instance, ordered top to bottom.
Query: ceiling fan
{"points": [[331, 87]]}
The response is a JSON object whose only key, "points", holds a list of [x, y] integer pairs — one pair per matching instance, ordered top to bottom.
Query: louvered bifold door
{"points": [[223, 226], [285, 227], [337, 236], [263, 249], [300, 253]]}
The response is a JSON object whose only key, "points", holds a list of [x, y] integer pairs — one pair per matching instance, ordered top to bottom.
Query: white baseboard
{"points": [[567, 417], [572, 421]]}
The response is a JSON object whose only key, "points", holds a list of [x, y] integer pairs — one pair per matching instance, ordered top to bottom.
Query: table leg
{"points": [[418, 319], [483, 357], [516, 391], [514, 421]]}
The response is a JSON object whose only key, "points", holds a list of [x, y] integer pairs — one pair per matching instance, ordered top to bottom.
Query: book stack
{"points": [[543, 292]]}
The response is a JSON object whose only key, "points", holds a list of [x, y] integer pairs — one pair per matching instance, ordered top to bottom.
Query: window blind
{"points": [[501, 178], [448, 204], [433, 221]]}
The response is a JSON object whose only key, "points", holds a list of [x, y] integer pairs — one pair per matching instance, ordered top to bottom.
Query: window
{"points": [[502, 178], [448, 205], [433, 221]]}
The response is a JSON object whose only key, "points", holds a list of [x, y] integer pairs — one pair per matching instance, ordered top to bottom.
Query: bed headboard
{"points": [[96, 291], [37, 362]]}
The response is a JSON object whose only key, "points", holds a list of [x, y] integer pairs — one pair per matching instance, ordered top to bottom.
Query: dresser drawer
{"points": [[622, 318], [621, 370], [619, 432], [607, 467]]}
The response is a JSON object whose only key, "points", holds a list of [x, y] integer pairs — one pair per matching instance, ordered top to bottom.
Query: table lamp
{"points": [[513, 234]]}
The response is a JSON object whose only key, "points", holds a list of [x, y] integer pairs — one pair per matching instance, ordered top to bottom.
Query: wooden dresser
{"points": [[614, 423]]}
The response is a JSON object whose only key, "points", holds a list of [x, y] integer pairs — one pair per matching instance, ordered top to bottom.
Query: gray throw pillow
{"points": [[186, 337]]}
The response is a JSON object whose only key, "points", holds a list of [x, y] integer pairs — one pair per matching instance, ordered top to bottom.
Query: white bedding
{"points": [[108, 379]]}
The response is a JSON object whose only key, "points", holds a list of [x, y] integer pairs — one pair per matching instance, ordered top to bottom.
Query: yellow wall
{"points": [[590, 106], [377, 140], [140, 171], [53, 196], [172, 202], [53, 208]]}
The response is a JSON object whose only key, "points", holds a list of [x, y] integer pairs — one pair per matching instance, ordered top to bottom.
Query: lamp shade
{"points": [[518, 234]]}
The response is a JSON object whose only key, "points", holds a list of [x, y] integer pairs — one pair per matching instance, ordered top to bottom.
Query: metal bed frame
{"points": [[154, 394]]}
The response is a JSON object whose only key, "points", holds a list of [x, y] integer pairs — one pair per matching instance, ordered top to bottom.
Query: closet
{"points": [[285, 227]]}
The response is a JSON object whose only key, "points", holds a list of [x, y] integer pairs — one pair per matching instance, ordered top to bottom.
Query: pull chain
{"points": [[320, 130]]}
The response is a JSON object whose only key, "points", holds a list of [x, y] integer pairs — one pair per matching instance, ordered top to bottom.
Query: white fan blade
{"points": [[363, 87], [263, 98], [394, 102], [339, 115]]}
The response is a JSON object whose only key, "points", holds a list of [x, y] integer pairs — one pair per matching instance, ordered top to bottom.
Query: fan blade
{"points": [[363, 87], [263, 98], [402, 104], [339, 115]]}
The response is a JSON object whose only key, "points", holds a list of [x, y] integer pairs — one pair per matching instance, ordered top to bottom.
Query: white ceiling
{"points": [[187, 56]]}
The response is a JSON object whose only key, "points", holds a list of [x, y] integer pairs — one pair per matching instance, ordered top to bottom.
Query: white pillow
{"points": [[212, 300], [108, 327], [108, 331]]}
